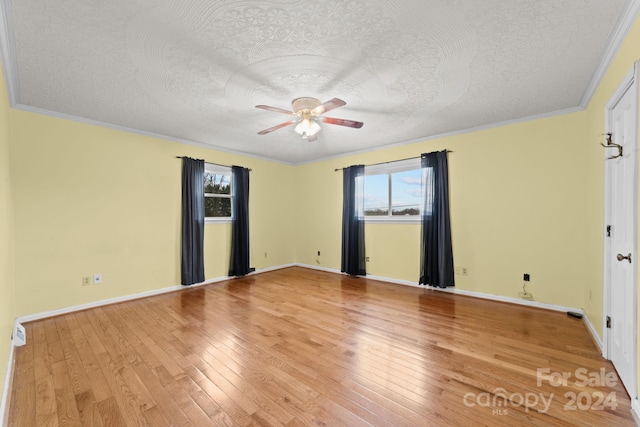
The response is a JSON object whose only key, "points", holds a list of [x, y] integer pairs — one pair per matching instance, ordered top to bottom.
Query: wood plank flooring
{"points": [[301, 347]]}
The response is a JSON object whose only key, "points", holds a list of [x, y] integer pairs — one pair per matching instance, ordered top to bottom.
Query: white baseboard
{"points": [[277, 267], [318, 267], [396, 281], [492, 297], [511, 300], [536, 304], [554, 307], [66, 310], [51, 313], [594, 333], [6, 390], [635, 411]]}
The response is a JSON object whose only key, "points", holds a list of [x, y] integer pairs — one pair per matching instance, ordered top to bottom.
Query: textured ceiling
{"points": [[193, 70]]}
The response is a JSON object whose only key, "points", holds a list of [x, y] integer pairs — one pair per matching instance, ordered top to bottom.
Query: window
{"points": [[393, 191], [217, 192]]}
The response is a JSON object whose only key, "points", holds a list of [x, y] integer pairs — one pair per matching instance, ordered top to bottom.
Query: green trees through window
{"points": [[217, 194]]}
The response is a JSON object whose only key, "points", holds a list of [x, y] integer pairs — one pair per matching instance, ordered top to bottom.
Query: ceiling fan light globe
{"points": [[307, 127], [314, 128]]}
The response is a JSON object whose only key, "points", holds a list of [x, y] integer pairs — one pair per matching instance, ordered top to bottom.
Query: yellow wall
{"points": [[90, 199], [94, 200], [517, 204], [7, 282]]}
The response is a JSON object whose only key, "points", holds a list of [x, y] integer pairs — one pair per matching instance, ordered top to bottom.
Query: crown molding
{"points": [[617, 36], [7, 52], [64, 116], [448, 134]]}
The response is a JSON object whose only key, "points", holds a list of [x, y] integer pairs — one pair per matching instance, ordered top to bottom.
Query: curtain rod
{"points": [[390, 161], [217, 164]]}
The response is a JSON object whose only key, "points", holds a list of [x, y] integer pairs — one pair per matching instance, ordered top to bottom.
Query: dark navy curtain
{"points": [[436, 253], [353, 257], [240, 262], [192, 265]]}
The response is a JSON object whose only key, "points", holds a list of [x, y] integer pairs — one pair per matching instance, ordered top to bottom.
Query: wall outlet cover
{"points": [[19, 335]]}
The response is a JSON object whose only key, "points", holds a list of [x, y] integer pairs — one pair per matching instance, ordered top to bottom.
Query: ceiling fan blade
{"points": [[328, 106], [276, 109], [342, 122], [276, 127]]}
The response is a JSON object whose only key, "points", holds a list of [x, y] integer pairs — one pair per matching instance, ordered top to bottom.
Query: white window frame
{"points": [[210, 168], [389, 169]]}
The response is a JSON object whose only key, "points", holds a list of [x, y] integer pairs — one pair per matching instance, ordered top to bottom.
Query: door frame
{"points": [[630, 82]]}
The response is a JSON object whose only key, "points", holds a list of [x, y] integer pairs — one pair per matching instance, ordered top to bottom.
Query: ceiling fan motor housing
{"points": [[304, 103]]}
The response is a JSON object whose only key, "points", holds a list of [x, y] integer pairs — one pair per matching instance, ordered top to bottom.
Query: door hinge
{"points": [[608, 231], [608, 322]]}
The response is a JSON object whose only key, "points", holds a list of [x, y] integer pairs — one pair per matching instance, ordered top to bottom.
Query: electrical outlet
{"points": [[318, 253], [366, 259], [464, 271], [526, 277], [97, 278], [86, 281]]}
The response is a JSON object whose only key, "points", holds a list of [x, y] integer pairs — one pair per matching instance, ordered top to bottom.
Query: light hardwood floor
{"points": [[302, 347]]}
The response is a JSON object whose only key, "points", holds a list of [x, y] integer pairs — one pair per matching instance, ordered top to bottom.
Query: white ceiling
{"points": [[193, 70]]}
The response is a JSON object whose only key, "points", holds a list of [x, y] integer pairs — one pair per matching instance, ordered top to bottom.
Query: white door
{"points": [[621, 255]]}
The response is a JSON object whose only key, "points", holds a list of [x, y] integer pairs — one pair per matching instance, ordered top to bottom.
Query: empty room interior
{"points": [[329, 113]]}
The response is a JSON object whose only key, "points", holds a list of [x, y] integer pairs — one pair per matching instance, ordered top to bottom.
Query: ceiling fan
{"points": [[308, 112]]}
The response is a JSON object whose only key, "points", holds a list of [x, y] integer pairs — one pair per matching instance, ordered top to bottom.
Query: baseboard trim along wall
{"points": [[536, 304], [554, 307], [52, 313], [596, 338], [6, 391], [635, 411]]}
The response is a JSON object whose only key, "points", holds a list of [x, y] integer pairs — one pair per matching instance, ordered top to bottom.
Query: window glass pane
{"points": [[217, 183], [376, 195], [406, 196], [217, 207]]}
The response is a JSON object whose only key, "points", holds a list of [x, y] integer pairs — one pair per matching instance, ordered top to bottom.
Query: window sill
{"points": [[217, 220], [391, 220]]}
